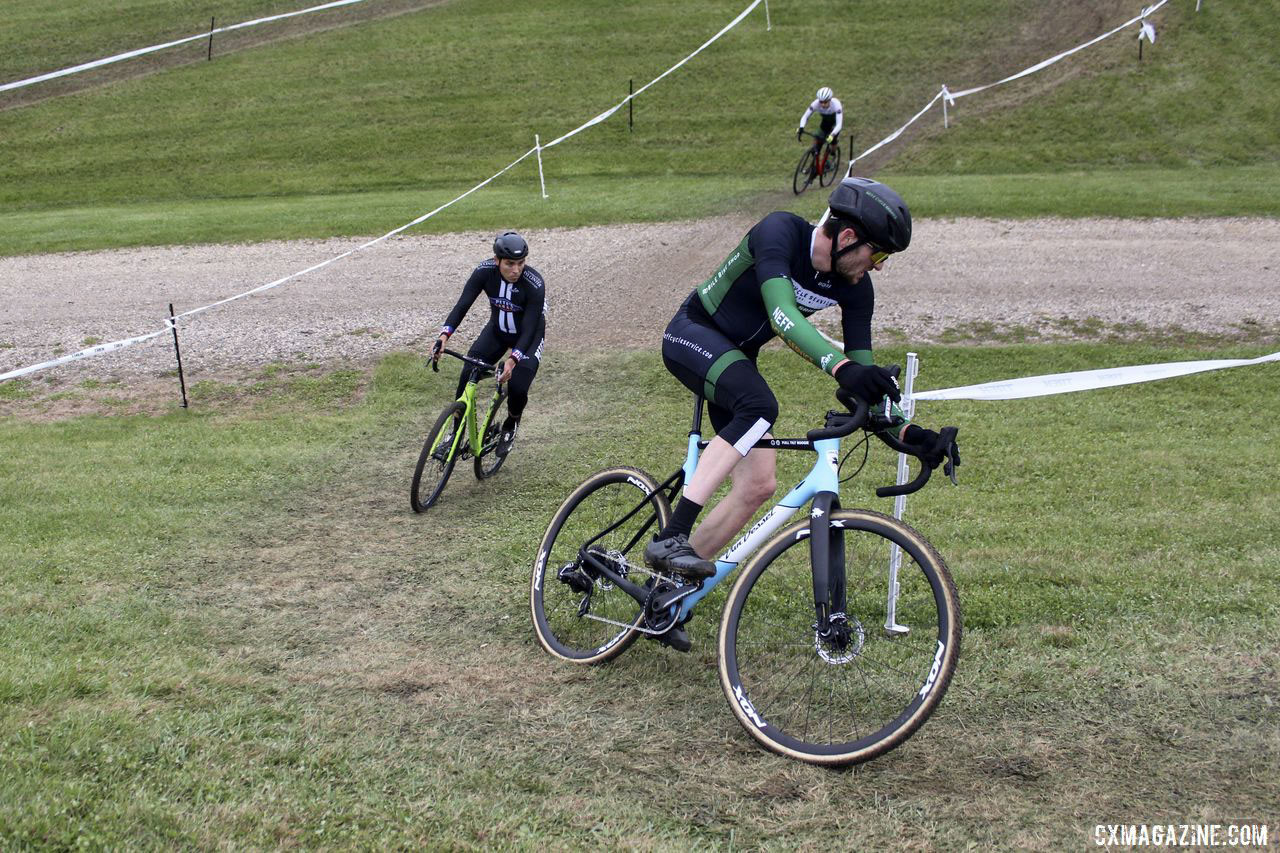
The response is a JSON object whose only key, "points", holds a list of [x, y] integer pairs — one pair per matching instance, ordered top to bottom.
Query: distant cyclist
{"points": [[827, 105], [782, 272], [516, 321]]}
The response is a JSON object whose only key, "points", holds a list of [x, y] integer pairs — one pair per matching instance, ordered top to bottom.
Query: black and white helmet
{"points": [[825, 93], [877, 213], [510, 246]]}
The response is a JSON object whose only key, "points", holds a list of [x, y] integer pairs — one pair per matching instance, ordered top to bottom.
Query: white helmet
{"points": [[825, 93]]}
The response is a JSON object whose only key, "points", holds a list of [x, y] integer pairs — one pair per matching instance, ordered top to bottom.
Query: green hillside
{"points": [[360, 128]]}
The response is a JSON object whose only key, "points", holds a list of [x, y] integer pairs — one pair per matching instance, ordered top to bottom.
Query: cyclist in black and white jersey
{"points": [[827, 105], [782, 272], [517, 321]]}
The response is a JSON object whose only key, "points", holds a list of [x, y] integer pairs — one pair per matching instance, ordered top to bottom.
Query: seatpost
{"points": [[696, 429]]}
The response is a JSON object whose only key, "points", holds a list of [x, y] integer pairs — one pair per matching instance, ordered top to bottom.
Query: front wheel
{"points": [[831, 166], [804, 172], [439, 455], [487, 461], [580, 615], [866, 684]]}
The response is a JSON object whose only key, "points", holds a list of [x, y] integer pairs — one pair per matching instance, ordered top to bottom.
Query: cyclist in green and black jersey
{"points": [[783, 271]]}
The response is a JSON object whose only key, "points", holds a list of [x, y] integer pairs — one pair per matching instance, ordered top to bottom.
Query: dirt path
{"points": [[617, 286]]}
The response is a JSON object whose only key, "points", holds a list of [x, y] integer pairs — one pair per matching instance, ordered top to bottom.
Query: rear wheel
{"points": [[804, 172], [439, 455], [488, 462], [579, 615], [875, 677]]}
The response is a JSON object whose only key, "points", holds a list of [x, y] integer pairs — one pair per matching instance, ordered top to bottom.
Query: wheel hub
{"points": [[841, 642]]}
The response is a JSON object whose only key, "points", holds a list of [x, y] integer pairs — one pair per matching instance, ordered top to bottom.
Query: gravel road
{"points": [[617, 286]]}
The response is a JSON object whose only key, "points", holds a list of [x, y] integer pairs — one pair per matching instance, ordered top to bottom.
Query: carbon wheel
{"points": [[579, 615], [867, 684]]}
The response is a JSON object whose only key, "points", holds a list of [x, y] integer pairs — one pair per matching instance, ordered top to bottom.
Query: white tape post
{"points": [[542, 181]]}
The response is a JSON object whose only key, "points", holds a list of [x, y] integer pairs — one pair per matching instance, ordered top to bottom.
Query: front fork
{"points": [[826, 556]]}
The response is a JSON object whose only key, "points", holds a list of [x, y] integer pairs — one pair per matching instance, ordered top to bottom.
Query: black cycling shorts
{"points": [[490, 346], [739, 401]]}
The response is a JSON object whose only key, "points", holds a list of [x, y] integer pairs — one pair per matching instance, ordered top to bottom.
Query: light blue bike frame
{"points": [[821, 484]]}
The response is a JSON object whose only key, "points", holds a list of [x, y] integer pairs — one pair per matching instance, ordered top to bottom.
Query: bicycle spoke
{"points": [[585, 616], [852, 688]]}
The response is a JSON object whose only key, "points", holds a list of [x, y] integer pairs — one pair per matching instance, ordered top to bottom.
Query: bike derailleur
{"points": [[583, 577]]}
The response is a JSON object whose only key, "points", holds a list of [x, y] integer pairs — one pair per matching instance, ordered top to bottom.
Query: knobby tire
{"points": [[431, 474], [595, 505]]}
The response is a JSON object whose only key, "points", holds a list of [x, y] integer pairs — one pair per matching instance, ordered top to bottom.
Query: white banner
{"points": [[1085, 380]]}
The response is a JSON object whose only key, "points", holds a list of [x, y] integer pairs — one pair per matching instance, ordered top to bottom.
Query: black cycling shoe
{"points": [[507, 440], [675, 554], [676, 637]]}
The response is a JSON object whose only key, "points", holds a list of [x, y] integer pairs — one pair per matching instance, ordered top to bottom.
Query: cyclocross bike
{"points": [[818, 161], [457, 435], [836, 642]]}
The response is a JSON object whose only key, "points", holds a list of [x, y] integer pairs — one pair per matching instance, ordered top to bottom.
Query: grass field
{"points": [[359, 129], [224, 626]]}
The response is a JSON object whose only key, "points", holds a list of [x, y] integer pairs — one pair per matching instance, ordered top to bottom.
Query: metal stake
{"points": [[182, 382]]}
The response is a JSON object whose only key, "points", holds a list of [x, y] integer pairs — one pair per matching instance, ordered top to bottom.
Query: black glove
{"points": [[799, 134], [436, 348], [868, 382], [937, 447]]}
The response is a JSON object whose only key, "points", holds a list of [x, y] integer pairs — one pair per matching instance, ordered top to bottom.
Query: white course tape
{"points": [[1140, 19], [97, 63], [949, 97], [604, 115], [101, 349], [84, 353], [1085, 380]]}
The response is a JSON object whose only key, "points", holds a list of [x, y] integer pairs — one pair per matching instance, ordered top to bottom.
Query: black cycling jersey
{"points": [[768, 286], [517, 310]]}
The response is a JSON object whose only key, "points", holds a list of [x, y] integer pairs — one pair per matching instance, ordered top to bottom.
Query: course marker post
{"points": [[211, 20], [541, 179], [182, 382], [907, 405]]}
